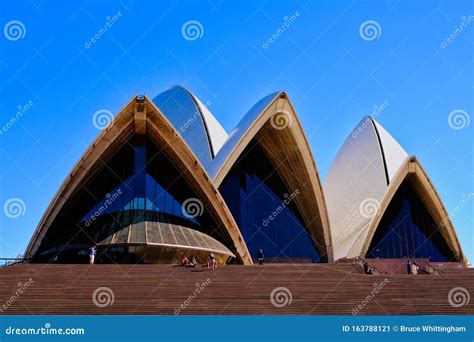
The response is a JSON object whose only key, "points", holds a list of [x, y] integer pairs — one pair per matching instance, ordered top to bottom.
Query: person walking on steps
{"points": [[260, 257], [212, 263]]}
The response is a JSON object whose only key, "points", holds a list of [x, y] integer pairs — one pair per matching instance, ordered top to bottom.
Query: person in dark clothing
{"points": [[261, 257], [192, 262], [408, 267], [366, 268]]}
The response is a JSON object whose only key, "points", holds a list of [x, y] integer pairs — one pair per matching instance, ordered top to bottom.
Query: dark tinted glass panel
{"points": [[136, 184], [265, 210], [408, 230]]}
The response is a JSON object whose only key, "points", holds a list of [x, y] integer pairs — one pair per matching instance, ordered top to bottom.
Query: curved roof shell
{"points": [[141, 116], [194, 122], [273, 123], [287, 148], [366, 173]]}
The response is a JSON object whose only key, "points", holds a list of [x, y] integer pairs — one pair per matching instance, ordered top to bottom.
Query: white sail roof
{"points": [[236, 135], [357, 182]]}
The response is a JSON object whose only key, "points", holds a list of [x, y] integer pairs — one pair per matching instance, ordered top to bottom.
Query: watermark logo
{"points": [[109, 21], [465, 21], [287, 22], [14, 30], [192, 30], [370, 30], [21, 110], [376, 111], [102, 118], [281, 119], [459, 119], [189, 122], [288, 198], [466, 199], [109, 200], [369, 207], [14, 208], [192, 208], [199, 288], [377, 288], [19, 291], [103, 296], [281, 296], [458, 296], [46, 330]]}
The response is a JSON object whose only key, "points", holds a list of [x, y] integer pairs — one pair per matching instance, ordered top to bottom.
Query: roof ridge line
{"points": [[206, 128], [387, 177]]}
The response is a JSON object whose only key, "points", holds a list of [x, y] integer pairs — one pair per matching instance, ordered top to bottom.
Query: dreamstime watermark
{"points": [[109, 21], [465, 21], [287, 22], [14, 30], [192, 30], [370, 30], [21, 110], [376, 111], [102, 118], [281, 119], [459, 119], [189, 122], [288, 198], [466, 199], [109, 200], [369, 207], [14, 208], [192, 208], [199, 288], [377, 288], [19, 291], [103, 296], [281, 297], [458, 297], [46, 330]]}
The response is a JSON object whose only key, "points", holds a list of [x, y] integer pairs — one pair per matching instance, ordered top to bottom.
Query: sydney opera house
{"points": [[165, 179]]}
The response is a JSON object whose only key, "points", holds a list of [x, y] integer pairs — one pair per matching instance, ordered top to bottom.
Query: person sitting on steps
{"points": [[183, 261], [192, 263]]}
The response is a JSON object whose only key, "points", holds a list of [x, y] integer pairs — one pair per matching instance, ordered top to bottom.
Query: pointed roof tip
{"points": [[177, 85], [206, 128], [385, 133], [393, 153], [364, 167]]}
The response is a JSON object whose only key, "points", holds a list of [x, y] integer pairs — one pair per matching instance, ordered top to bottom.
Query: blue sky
{"points": [[333, 73]]}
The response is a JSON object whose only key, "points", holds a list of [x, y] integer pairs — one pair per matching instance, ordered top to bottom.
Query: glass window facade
{"points": [[136, 184], [265, 210], [407, 230]]}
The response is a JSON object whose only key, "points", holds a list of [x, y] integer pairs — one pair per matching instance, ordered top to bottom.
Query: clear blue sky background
{"points": [[333, 76]]}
